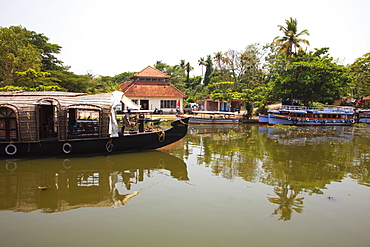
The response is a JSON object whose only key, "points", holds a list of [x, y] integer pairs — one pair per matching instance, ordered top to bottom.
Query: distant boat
{"points": [[309, 116], [364, 116], [213, 117], [53, 123]]}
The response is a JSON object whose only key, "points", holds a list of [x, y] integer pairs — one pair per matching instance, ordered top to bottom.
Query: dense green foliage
{"points": [[28, 61], [360, 70], [257, 74], [311, 77]]}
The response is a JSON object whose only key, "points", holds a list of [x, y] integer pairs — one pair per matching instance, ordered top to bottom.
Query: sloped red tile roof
{"points": [[150, 72], [150, 89], [366, 98]]}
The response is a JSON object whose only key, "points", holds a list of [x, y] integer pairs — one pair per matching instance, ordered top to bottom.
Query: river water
{"points": [[243, 185]]}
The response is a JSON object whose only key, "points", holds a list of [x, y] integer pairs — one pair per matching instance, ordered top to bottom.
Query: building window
{"points": [[168, 103]]}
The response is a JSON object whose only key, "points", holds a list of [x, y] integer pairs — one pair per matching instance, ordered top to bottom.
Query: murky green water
{"points": [[221, 186]]}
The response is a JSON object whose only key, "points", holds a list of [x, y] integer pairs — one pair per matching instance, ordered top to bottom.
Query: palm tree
{"points": [[291, 38], [219, 58], [202, 62], [188, 68]]}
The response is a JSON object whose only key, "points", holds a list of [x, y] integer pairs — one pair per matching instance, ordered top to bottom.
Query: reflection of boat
{"points": [[309, 116], [214, 117], [66, 123], [307, 136], [82, 182]]}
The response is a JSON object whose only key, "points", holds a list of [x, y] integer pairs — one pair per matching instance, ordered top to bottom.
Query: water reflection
{"points": [[295, 162], [55, 184]]}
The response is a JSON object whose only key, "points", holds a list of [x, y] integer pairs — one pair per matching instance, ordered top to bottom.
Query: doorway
{"points": [[144, 104], [47, 128]]}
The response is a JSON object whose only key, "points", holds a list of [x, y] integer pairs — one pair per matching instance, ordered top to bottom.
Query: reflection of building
{"points": [[81, 182]]}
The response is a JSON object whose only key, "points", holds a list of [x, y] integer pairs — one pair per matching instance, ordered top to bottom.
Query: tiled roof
{"points": [[150, 72], [143, 89]]}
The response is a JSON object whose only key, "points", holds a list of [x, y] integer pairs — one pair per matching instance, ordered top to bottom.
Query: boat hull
{"points": [[263, 119], [195, 120], [272, 120], [364, 120], [135, 141]]}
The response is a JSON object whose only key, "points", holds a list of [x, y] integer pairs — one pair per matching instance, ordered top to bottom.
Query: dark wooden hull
{"points": [[124, 143]]}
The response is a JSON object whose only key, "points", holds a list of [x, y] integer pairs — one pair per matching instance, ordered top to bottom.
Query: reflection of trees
{"points": [[229, 151], [294, 161], [287, 202]]}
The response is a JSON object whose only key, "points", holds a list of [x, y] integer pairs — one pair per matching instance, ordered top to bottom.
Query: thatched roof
{"points": [[64, 99]]}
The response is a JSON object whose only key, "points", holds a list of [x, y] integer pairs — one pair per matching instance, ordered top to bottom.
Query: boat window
{"points": [[83, 123], [8, 124]]}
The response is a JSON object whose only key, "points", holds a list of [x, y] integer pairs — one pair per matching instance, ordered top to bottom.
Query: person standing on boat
{"points": [[127, 122]]}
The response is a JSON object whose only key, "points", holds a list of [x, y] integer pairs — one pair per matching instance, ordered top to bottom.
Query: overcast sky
{"points": [[109, 37]]}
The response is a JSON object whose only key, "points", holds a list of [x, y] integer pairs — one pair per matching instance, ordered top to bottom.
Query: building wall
{"points": [[156, 103]]}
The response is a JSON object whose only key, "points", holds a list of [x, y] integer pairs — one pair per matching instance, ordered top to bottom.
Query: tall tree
{"points": [[291, 38], [17, 54], [219, 60], [202, 62], [188, 68], [209, 70], [360, 70], [312, 77]]}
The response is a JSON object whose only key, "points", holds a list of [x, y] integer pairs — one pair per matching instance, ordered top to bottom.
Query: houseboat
{"points": [[309, 116], [214, 117], [53, 123]]}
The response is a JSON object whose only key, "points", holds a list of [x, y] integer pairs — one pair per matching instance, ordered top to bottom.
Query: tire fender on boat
{"points": [[289, 118], [298, 119], [307, 119], [316, 121], [352, 121], [109, 146], [67, 148], [13, 149]]}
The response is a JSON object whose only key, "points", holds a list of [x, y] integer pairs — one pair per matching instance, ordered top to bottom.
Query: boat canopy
{"points": [[129, 103]]}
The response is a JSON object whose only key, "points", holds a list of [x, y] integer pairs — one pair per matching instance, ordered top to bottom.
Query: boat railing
{"points": [[326, 108]]}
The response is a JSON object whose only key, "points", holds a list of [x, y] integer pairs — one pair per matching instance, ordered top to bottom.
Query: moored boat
{"points": [[310, 116], [364, 116], [214, 117], [53, 123]]}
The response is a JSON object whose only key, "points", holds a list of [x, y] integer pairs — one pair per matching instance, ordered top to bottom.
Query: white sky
{"points": [[109, 37]]}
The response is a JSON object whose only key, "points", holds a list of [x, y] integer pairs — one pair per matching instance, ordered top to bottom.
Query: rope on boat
{"points": [[28, 131], [161, 136], [109, 146]]}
